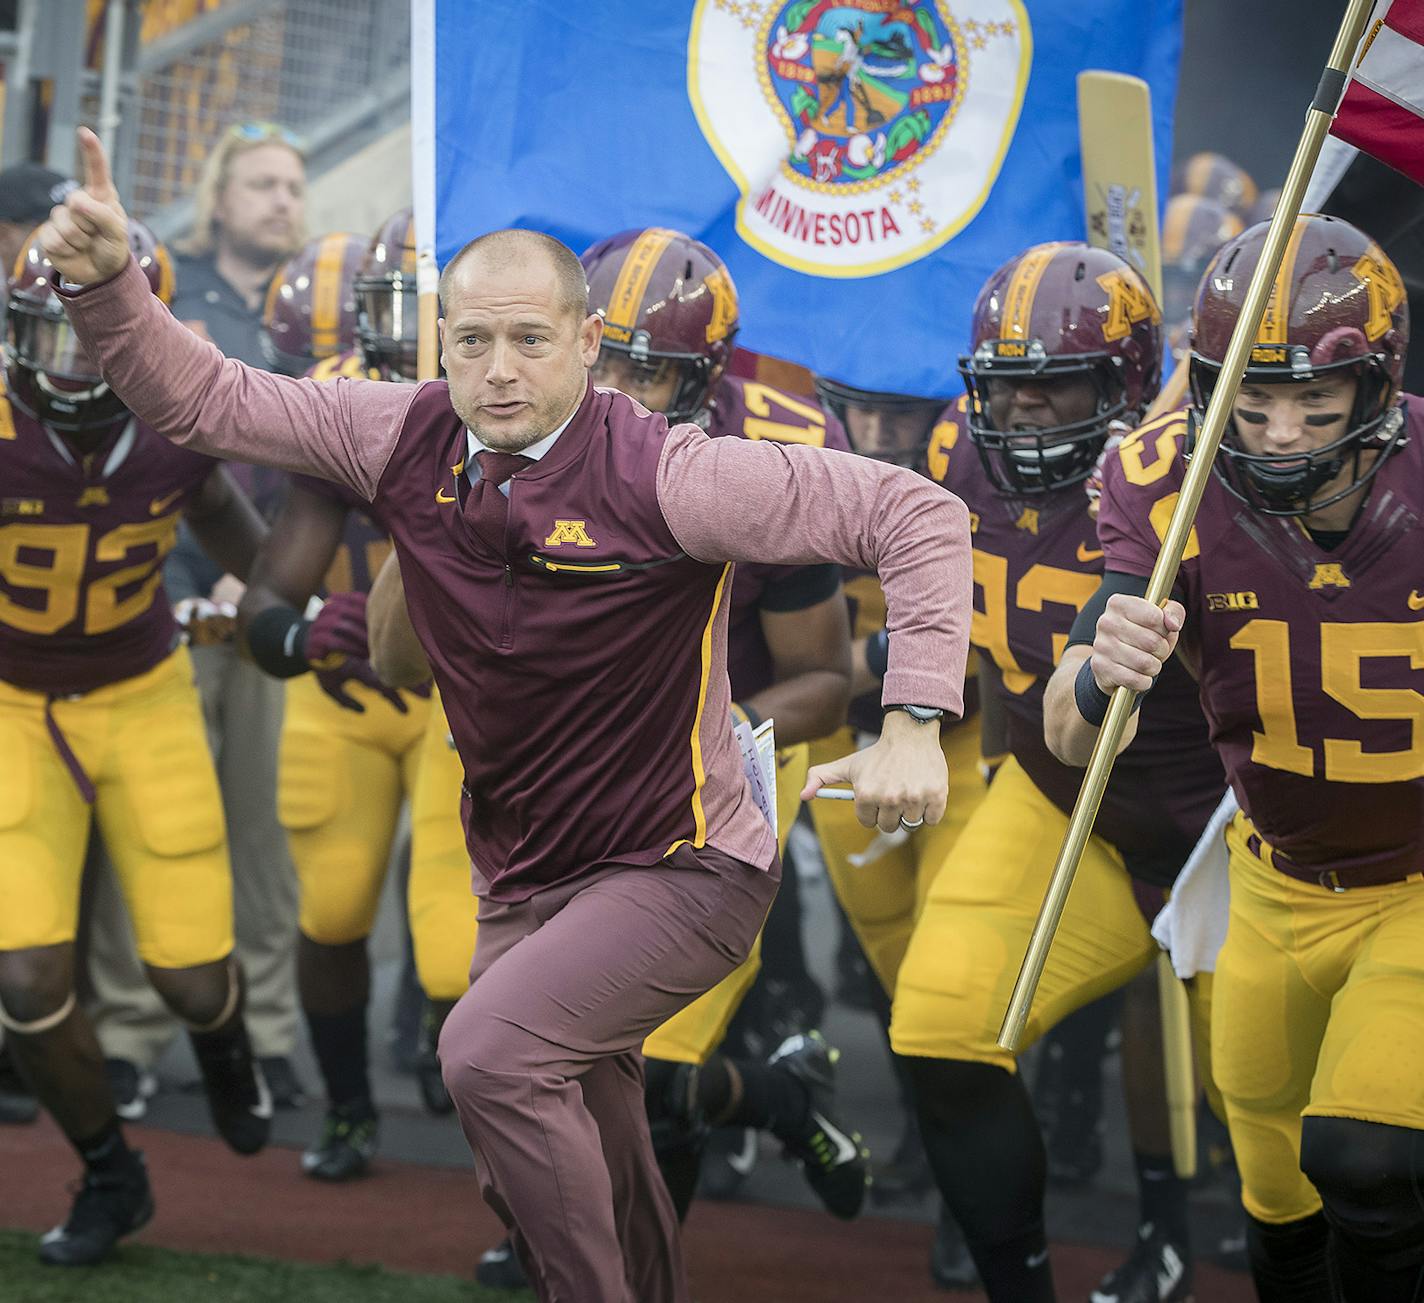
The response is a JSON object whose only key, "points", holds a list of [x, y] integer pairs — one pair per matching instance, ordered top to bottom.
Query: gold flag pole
{"points": [[1164, 574]]}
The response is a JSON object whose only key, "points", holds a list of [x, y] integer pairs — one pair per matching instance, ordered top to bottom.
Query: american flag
{"points": [[1383, 109]]}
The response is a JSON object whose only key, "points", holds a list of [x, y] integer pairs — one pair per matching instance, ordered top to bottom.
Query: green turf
{"points": [[140, 1274]]}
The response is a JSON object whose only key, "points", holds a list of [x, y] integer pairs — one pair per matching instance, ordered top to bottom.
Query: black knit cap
{"points": [[28, 191]]}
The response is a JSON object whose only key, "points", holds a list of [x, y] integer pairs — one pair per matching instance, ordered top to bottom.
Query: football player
{"points": [[1066, 344], [1298, 608], [100, 721], [351, 748], [881, 881]]}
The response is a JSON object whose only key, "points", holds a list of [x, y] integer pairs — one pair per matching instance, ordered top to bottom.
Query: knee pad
{"points": [[675, 1119], [1369, 1175]]}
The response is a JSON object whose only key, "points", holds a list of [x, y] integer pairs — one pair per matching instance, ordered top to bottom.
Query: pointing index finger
{"points": [[97, 179]]}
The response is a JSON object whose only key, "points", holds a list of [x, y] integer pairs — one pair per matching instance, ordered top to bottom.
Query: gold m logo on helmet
{"points": [[1383, 284], [1129, 301], [724, 305], [569, 531]]}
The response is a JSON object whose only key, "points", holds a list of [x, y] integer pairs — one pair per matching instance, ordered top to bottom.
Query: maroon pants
{"points": [[542, 1058]]}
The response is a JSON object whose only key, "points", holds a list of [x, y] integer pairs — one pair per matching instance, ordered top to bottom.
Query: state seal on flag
{"points": [[862, 134]]}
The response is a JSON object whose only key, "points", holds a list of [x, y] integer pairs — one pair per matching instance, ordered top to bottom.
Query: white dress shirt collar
{"points": [[534, 451]]}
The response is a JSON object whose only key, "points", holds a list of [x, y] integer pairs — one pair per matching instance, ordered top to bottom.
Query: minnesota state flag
{"points": [[861, 165]]}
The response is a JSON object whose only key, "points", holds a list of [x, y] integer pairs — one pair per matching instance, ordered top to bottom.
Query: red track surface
{"points": [[426, 1219]]}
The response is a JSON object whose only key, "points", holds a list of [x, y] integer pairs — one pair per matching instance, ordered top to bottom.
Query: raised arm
{"points": [[182, 385], [797, 505]]}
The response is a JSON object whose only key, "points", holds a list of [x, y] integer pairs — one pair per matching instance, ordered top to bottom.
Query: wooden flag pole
{"points": [[427, 283], [1164, 574]]}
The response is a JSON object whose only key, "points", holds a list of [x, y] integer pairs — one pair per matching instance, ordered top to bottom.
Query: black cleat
{"points": [[427, 1061], [238, 1098], [347, 1143], [729, 1159], [834, 1159], [106, 1207], [951, 1267], [500, 1268], [1159, 1270]]}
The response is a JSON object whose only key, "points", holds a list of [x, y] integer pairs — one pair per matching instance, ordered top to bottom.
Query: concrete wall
{"points": [[359, 193]]}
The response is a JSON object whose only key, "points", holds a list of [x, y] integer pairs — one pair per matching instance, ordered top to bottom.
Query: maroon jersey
{"points": [[757, 411], [82, 541], [1036, 562], [1311, 660]]}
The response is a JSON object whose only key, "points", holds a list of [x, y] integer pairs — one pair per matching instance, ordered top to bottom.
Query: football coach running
{"points": [[566, 559]]}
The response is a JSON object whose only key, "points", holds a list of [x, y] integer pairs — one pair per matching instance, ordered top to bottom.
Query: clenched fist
{"points": [[87, 236], [1134, 640]]}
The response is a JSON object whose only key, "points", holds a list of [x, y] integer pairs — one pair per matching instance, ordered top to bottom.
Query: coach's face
{"points": [[515, 352]]}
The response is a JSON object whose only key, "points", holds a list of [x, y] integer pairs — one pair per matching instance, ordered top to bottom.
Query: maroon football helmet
{"points": [[1214, 176], [1338, 305], [669, 308], [1060, 310], [310, 311], [387, 317], [50, 375]]}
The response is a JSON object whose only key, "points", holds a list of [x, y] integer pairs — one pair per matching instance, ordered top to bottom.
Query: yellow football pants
{"points": [[142, 744], [341, 778], [885, 896], [442, 905], [965, 953], [1319, 1009], [691, 1035]]}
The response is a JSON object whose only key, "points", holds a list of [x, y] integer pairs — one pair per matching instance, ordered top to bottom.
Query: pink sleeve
{"points": [[342, 430], [787, 504]]}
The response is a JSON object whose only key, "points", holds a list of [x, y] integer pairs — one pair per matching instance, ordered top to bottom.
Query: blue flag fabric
{"points": [[861, 165]]}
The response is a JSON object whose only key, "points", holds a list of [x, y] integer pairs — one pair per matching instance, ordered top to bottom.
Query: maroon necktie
{"points": [[486, 508]]}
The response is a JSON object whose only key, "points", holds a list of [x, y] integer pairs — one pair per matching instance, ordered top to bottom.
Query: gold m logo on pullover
{"points": [[569, 531]]}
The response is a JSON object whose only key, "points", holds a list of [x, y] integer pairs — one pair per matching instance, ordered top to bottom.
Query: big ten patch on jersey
{"points": [[349, 366], [757, 411], [83, 536], [1311, 660]]}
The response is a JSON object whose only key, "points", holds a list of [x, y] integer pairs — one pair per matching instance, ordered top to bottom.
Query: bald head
{"points": [[503, 251]]}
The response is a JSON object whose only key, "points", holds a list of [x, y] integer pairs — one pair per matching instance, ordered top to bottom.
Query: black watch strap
{"points": [[920, 714]]}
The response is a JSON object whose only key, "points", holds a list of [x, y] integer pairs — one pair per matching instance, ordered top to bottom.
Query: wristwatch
{"points": [[920, 714]]}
